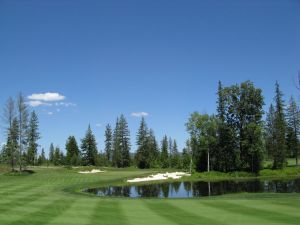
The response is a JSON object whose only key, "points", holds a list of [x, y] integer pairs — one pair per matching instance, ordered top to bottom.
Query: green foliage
{"points": [[293, 129], [203, 132], [33, 136], [232, 140], [108, 144], [121, 144], [89, 148], [73, 152], [51, 153], [279, 154], [147, 155], [42, 158], [165, 163]]}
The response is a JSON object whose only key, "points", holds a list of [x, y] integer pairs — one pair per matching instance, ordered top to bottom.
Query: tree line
{"points": [[21, 130], [236, 138]]}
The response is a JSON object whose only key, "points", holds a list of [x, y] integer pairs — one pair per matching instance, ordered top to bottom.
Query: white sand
{"points": [[92, 171], [160, 176]]}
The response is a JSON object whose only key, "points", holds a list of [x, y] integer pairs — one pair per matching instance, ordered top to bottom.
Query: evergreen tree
{"points": [[22, 115], [293, 122], [11, 131], [270, 132], [32, 137], [124, 141], [108, 143], [170, 145], [89, 148], [153, 150], [51, 153], [73, 153], [143, 153], [164, 153], [117, 154], [279, 154], [57, 157], [175, 157], [42, 158]]}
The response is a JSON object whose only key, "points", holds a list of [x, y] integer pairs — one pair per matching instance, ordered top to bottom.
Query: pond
{"points": [[197, 189]]}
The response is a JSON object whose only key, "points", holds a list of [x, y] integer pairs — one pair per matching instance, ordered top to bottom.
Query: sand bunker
{"points": [[92, 171], [160, 176]]}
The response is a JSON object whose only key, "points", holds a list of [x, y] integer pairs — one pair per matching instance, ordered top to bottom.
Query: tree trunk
{"points": [[208, 169]]}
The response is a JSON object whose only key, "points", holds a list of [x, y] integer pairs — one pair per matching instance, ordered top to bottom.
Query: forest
{"points": [[240, 136]]}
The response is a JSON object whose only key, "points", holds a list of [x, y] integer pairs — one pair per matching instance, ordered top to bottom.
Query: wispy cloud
{"points": [[47, 97], [36, 103], [65, 104], [50, 113], [139, 114], [98, 125]]}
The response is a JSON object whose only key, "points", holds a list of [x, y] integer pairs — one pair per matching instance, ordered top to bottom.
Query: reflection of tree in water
{"points": [[176, 186], [286, 186], [188, 188], [165, 189], [198, 189], [151, 190], [126, 191]]}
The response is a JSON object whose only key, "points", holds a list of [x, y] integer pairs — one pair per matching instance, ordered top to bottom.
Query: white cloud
{"points": [[47, 97], [36, 103], [65, 104], [57, 110], [50, 113], [139, 114], [98, 124]]}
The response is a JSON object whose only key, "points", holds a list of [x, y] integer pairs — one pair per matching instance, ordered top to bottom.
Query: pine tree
{"points": [[22, 114], [293, 122], [11, 131], [270, 132], [32, 137], [124, 141], [108, 143], [170, 145], [89, 148], [153, 150], [51, 153], [73, 153], [164, 153], [117, 154], [142, 154], [279, 155], [58, 157], [175, 157], [42, 158]]}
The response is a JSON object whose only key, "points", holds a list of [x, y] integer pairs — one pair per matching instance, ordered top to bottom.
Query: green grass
{"points": [[51, 196]]}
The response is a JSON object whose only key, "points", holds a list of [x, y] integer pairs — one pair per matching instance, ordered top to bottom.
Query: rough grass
{"points": [[48, 197]]}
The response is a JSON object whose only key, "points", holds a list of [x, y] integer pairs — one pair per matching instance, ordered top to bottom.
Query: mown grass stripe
{"points": [[108, 212], [137, 212], [45, 214], [264, 215], [179, 216]]}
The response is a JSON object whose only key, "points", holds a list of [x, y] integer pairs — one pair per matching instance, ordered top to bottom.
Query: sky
{"points": [[82, 62]]}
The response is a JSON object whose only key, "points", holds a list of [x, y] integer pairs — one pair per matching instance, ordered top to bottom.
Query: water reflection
{"points": [[198, 189]]}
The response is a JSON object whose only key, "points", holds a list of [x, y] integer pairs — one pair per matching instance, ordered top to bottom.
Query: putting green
{"points": [[48, 197]]}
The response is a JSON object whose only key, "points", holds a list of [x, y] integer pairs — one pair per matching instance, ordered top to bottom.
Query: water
{"points": [[197, 189]]}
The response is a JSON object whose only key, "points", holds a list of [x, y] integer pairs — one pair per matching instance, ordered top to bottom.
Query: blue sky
{"points": [[160, 57]]}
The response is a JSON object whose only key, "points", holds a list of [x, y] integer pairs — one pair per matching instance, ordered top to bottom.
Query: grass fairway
{"points": [[48, 197]]}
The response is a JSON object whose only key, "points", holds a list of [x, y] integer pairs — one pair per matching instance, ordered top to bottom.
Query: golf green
{"points": [[52, 196]]}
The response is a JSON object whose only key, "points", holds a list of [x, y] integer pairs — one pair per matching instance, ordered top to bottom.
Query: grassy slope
{"points": [[47, 197]]}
